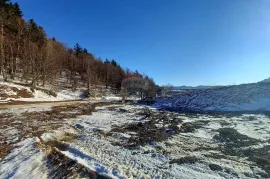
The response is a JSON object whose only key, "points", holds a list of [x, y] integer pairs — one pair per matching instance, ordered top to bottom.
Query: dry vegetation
{"points": [[29, 56], [33, 124], [59, 165]]}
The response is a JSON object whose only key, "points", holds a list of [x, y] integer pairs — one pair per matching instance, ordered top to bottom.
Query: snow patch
{"points": [[25, 161]]}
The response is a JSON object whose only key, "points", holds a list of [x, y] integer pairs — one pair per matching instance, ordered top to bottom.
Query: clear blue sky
{"points": [[181, 42]]}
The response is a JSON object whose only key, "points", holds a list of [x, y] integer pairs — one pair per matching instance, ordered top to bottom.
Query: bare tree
{"points": [[27, 54], [135, 85], [165, 89]]}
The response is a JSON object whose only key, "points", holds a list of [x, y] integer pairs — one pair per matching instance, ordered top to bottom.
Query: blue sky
{"points": [[181, 42]]}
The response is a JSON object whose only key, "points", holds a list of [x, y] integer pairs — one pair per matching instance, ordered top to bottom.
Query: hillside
{"points": [[29, 56], [266, 80], [191, 87], [10, 92], [16, 93], [254, 96]]}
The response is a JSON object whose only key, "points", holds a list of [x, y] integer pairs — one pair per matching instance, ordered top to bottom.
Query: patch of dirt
{"points": [[13, 92], [24, 94], [61, 112], [5, 115], [34, 124], [155, 126], [192, 126], [232, 138], [232, 143], [5, 149], [260, 156], [185, 160], [59, 165], [64, 167], [215, 167]]}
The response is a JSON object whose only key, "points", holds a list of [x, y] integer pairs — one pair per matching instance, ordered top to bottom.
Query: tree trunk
{"points": [[12, 63], [2, 70]]}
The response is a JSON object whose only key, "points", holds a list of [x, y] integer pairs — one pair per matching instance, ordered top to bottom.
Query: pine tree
{"points": [[4, 3], [17, 10], [78, 49], [85, 51], [113, 63]]}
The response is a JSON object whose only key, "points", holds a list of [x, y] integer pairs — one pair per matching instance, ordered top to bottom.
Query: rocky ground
{"points": [[130, 141]]}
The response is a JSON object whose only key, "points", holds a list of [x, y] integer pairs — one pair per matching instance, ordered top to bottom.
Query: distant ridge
{"points": [[267, 80], [191, 87], [243, 97]]}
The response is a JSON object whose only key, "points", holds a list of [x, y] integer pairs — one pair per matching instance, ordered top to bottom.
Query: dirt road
{"points": [[24, 104]]}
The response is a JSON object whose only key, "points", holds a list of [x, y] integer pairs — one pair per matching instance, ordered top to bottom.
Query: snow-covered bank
{"points": [[14, 92], [245, 97]]}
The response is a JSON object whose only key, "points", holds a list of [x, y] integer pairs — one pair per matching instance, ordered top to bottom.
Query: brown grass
{"points": [[34, 124], [5, 149]]}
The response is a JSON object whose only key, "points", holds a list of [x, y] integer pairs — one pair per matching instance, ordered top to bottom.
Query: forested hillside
{"points": [[28, 55]]}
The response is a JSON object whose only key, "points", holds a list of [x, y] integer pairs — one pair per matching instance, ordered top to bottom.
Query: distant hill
{"points": [[266, 80], [191, 87], [244, 97]]}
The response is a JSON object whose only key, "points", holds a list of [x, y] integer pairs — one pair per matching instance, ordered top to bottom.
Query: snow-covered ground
{"points": [[14, 92], [245, 97], [195, 146], [25, 161]]}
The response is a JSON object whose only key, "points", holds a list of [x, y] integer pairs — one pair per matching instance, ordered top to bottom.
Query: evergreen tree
{"points": [[4, 3], [17, 10], [78, 49], [113, 63]]}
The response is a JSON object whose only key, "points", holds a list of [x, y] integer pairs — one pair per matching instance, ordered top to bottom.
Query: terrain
{"points": [[266, 80], [191, 87], [11, 92], [245, 97], [67, 113], [105, 138], [131, 141]]}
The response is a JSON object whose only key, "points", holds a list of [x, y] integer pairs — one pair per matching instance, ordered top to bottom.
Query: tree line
{"points": [[29, 55]]}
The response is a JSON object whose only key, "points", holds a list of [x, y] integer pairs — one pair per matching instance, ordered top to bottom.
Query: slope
{"points": [[254, 96]]}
